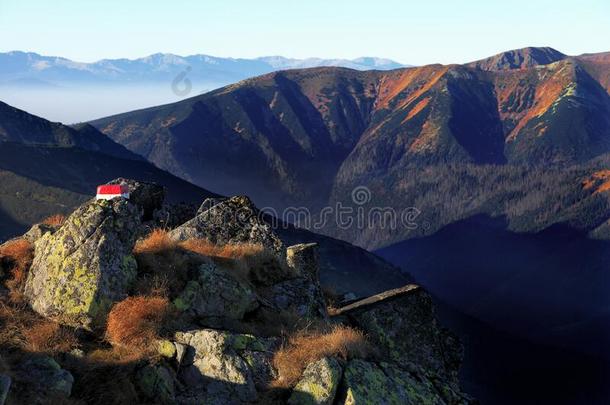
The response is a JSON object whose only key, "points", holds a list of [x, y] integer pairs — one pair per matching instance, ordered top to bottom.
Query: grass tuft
{"points": [[56, 220], [135, 322], [304, 348]]}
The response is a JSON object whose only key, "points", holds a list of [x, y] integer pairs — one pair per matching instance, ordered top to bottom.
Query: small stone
{"points": [[166, 348]]}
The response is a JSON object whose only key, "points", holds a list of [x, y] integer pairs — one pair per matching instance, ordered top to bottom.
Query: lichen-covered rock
{"points": [[147, 196], [234, 220], [37, 231], [303, 260], [84, 267], [300, 294], [215, 296], [402, 325], [221, 367], [41, 379], [157, 383], [369, 383], [318, 384]]}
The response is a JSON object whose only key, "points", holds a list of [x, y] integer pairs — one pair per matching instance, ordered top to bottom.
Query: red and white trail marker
{"points": [[110, 191]]}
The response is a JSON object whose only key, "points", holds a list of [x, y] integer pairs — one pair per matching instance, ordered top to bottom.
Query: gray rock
{"points": [[148, 196], [234, 220], [37, 231], [303, 259], [86, 265], [301, 294], [215, 296], [402, 325], [222, 367], [44, 378], [157, 383], [318, 384]]}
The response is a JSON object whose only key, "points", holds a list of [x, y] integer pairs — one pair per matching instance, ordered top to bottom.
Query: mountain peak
{"points": [[519, 59]]}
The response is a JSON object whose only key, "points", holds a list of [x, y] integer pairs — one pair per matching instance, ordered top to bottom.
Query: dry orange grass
{"points": [[54, 220], [157, 241], [231, 251], [19, 253], [158, 254], [135, 322], [49, 337], [305, 348]]}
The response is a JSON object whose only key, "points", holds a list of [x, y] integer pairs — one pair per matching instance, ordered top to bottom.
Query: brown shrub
{"points": [[54, 220], [157, 241], [230, 251], [19, 253], [135, 322], [49, 337], [307, 347]]}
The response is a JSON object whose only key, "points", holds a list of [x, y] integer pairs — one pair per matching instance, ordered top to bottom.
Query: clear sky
{"points": [[420, 32]]}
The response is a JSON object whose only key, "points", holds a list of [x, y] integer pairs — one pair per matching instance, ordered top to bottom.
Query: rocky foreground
{"points": [[129, 301]]}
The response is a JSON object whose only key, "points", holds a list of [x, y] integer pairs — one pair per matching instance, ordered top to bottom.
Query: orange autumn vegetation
{"points": [[54, 220], [159, 241], [19, 254], [135, 322], [26, 330], [49, 337], [305, 348]]}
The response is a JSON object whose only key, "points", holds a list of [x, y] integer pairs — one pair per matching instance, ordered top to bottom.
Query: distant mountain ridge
{"points": [[19, 67], [309, 136]]}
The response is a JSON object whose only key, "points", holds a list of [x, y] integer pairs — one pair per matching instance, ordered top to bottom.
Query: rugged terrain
{"points": [[511, 128], [501, 165], [48, 169], [97, 308]]}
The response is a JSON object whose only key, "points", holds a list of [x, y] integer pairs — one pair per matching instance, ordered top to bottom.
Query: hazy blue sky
{"points": [[411, 32]]}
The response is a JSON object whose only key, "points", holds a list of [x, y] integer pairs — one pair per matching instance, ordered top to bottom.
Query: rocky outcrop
{"points": [[148, 196], [233, 220], [86, 265], [81, 268], [214, 296], [402, 325], [221, 367], [367, 383]]}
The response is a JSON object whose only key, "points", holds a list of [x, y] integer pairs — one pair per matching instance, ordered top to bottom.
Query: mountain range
{"points": [[22, 68], [60, 89], [522, 128], [505, 162], [502, 164]]}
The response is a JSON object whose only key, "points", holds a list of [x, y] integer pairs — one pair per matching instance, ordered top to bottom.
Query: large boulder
{"points": [[148, 196], [229, 221], [84, 267], [301, 293], [215, 296], [401, 323], [222, 367], [41, 380], [370, 383], [318, 384]]}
